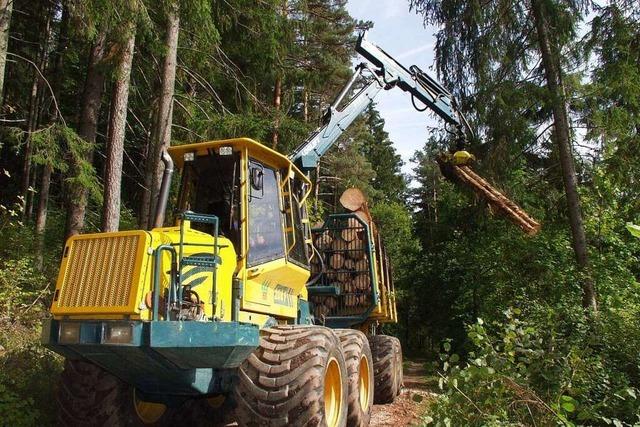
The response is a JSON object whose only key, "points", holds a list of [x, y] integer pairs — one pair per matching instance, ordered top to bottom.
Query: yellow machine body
{"points": [[110, 275]]}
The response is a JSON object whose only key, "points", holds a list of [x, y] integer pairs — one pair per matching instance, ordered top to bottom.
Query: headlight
{"points": [[69, 333], [118, 333]]}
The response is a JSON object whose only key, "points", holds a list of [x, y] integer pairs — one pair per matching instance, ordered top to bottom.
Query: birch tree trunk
{"points": [[6, 7], [164, 116], [87, 130], [562, 135], [115, 137]]}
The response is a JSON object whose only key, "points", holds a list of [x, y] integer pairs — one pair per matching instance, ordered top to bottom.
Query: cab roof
{"points": [[255, 149]]}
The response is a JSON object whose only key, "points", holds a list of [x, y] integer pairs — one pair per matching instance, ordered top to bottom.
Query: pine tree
{"points": [[481, 46], [164, 117], [117, 127]]}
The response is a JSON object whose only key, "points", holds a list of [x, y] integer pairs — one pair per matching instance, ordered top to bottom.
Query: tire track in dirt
{"points": [[411, 404]]}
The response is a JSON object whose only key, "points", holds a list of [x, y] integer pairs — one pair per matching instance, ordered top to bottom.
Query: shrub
{"points": [[547, 370]]}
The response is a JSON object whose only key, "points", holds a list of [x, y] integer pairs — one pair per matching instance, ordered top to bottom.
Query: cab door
{"points": [[272, 283]]}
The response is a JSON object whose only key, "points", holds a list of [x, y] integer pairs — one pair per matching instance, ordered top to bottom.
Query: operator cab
{"points": [[256, 193]]}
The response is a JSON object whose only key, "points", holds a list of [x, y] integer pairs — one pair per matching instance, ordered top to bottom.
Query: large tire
{"points": [[397, 350], [357, 354], [384, 368], [296, 377], [90, 396], [213, 411]]}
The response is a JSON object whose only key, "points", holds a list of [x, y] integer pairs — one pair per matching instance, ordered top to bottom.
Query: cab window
{"points": [[211, 185], [265, 216], [296, 243]]}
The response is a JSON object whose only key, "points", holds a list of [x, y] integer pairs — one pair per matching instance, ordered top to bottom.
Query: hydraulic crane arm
{"points": [[387, 74], [335, 121]]}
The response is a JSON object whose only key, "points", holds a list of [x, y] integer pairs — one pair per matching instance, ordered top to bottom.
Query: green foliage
{"points": [[633, 229], [545, 370], [27, 371]]}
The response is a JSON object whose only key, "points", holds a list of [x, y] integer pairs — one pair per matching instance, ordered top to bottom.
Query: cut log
{"points": [[353, 199], [497, 200], [365, 216], [352, 231], [323, 241], [339, 245], [356, 249], [337, 261], [349, 264], [362, 265], [362, 282], [350, 300], [363, 300], [331, 303], [321, 311]]}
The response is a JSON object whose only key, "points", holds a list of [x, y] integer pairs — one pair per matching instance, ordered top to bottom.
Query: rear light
{"points": [[69, 333], [118, 333]]}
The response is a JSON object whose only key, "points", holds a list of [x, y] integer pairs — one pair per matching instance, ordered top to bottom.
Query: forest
{"points": [[515, 329]]}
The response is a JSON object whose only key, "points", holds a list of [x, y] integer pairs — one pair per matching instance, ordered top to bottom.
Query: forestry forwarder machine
{"points": [[176, 325]]}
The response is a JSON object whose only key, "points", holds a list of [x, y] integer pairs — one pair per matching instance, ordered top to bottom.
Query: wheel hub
{"points": [[364, 383], [332, 393], [148, 412]]}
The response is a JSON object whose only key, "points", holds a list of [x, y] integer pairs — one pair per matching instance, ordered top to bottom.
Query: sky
{"points": [[400, 33]]}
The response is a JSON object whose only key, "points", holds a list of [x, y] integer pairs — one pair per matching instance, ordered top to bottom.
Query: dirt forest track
{"points": [[410, 405]]}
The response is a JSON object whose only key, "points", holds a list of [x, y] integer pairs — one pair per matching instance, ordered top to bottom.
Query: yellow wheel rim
{"points": [[364, 383], [332, 393], [216, 401], [148, 412]]}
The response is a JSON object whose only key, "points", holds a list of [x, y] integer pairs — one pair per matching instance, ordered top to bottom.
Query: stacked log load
{"points": [[343, 259]]}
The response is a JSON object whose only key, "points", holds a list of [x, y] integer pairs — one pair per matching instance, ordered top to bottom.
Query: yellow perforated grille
{"points": [[100, 272]]}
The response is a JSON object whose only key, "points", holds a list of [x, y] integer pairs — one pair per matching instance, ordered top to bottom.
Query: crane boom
{"points": [[387, 74]]}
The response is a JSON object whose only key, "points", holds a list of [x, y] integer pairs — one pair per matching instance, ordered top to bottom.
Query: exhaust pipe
{"points": [[163, 195]]}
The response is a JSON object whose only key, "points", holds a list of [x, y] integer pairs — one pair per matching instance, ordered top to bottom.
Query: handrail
{"points": [[156, 278]]}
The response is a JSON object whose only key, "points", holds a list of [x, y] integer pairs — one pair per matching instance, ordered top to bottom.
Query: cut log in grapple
{"points": [[499, 202]]}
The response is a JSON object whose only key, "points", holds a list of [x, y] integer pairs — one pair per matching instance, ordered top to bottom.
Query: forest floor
{"points": [[413, 402]]}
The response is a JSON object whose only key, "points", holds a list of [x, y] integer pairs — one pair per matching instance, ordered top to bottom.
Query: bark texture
{"points": [[6, 8], [87, 129], [161, 135], [562, 135], [115, 138]]}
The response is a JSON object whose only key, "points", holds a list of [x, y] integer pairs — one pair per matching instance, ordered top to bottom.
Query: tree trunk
{"points": [[6, 7], [56, 79], [277, 92], [165, 111], [87, 129], [562, 135], [115, 137], [149, 152], [26, 164], [28, 176], [41, 215]]}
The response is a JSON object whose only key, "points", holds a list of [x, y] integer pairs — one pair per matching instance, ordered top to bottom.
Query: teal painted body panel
{"points": [[304, 313], [165, 357]]}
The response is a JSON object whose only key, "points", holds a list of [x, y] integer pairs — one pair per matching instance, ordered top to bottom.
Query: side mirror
{"points": [[256, 179]]}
